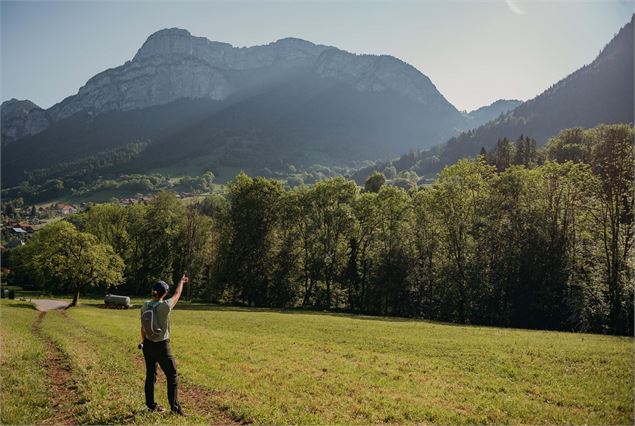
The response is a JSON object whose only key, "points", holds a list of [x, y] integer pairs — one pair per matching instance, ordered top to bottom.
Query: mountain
{"points": [[172, 64], [598, 93], [291, 101], [489, 112], [22, 118]]}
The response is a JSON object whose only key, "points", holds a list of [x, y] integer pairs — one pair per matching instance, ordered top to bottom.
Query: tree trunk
{"points": [[75, 297]]}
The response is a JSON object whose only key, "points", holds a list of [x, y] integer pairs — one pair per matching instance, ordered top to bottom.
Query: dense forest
{"points": [[519, 237]]}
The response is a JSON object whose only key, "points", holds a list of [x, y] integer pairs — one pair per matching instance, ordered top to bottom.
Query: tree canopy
{"points": [[519, 236]]}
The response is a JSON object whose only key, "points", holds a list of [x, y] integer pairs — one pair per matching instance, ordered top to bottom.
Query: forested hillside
{"points": [[598, 93], [538, 239]]}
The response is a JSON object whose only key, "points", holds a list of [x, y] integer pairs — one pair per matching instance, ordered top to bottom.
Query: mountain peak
{"points": [[170, 32], [293, 40], [175, 41], [25, 103], [21, 118]]}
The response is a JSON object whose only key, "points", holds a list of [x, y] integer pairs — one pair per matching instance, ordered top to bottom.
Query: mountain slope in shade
{"points": [[601, 92], [598, 93], [289, 100], [489, 112]]}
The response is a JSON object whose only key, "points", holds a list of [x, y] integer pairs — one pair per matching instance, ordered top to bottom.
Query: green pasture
{"points": [[282, 367]]}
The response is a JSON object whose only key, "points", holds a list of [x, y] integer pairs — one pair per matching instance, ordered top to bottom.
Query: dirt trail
{"points": [[45, 305], [64, 396], [195, 400]]}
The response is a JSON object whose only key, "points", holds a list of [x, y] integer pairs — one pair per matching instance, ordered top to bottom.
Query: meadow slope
{"points": [[261, 366]]}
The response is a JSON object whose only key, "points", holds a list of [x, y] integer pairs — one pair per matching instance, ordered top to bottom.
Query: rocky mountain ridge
{"points": [[172, 64], [22, 118]]}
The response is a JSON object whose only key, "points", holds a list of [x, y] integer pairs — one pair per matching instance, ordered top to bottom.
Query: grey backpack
{"points": [[150, 322]]}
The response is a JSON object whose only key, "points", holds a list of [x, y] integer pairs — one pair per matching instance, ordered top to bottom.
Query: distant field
{"points": [[264, 366]]}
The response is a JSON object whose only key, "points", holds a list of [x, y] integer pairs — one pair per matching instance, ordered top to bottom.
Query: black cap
{"points": [[160, 288]]}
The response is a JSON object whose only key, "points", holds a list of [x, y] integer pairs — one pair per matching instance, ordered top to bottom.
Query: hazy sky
{"points": [[474, 51]]}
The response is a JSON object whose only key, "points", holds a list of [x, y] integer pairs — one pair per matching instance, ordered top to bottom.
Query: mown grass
{"points": [[292, 367], [109, 371], [24, 389]]}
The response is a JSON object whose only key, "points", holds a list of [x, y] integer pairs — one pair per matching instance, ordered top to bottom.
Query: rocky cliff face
{"points": [[179, 42], [172, 64], [370, 73], [143, 83], [22, 118]]}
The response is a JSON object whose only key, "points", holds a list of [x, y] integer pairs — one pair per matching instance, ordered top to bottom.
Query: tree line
{"points": [[518, 237]]}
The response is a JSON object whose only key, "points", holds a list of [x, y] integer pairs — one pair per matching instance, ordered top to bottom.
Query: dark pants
{"points": [[159, 352]]}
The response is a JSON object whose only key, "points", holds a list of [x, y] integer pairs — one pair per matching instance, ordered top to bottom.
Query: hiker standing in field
{"points": [[155, 335]]}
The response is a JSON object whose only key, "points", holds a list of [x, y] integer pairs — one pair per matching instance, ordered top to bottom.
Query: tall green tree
{"points": [[569, 145], [525, 152], [502, 155], [612, 160], [374, 182], [458, 200], [329, 220], [158, 232], [393, 250], [249, 252], [74, 259], [358, 274], [424, 275]]}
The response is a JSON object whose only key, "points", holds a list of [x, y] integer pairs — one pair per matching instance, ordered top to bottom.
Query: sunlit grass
{"points": [[274, 367], [292, 367], [109, 372], [23, 391]]}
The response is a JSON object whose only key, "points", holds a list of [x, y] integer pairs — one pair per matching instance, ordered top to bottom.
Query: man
{"points": [[155, 334]]}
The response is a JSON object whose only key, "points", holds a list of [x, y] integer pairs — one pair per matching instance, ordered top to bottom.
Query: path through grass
{"points": [[288, 367], [24, 392]]}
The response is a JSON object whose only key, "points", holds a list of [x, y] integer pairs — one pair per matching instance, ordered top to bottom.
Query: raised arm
{"points": [[179, 289]]}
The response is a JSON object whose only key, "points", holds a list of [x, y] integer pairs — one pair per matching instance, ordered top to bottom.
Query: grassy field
{"points": [[260, 366], [23, 393]]}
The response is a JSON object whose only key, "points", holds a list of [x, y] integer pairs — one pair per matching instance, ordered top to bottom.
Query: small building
{"points": [[67, 209], [27, 227], [18, 231]]}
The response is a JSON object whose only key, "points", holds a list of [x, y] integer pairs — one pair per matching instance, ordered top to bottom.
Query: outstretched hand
{"points": [[179, 288]]}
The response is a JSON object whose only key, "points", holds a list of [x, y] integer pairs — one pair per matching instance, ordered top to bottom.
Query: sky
{"points": [[474, 51]]}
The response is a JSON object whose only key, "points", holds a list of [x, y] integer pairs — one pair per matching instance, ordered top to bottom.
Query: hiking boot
{"points": [[156, 408], [179, 412]]}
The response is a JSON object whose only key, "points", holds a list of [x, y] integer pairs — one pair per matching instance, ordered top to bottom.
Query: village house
{"points": [[66, 209], [27, 227], [18, 231]]}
